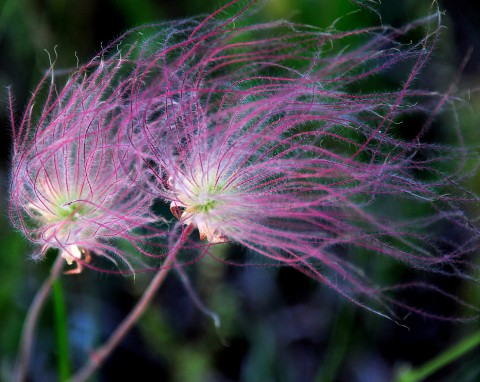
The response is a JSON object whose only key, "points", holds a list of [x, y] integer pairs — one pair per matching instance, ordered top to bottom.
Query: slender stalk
{"points": [[28, 332], [61, 332], [98, 357], [445, 358]]}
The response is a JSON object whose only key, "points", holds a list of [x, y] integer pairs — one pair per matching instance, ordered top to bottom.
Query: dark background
{"points": [[277, 325]]}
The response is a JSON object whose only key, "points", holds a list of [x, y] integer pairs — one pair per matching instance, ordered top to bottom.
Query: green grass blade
{"points": [[61, 332]]}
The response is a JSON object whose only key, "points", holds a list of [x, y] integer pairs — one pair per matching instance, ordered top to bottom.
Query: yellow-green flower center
{"points": [[195, 202]]}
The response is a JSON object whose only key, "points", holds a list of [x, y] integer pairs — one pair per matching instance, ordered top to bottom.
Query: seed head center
{"points": [[197, 205]]}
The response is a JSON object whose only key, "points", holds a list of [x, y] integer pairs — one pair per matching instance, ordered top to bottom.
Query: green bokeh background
{"points": [[276, 324]]}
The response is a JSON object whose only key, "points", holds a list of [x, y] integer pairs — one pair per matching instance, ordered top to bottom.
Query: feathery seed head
{"points": [[261, 141], [73, 184]]}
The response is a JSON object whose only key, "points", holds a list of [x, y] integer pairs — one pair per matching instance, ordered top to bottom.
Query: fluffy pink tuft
{"points": [[256, 135], [73, 184]]}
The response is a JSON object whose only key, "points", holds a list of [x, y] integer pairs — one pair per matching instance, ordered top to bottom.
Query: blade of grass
{"points": [[61, 332], [338, 346], [456, 351]]}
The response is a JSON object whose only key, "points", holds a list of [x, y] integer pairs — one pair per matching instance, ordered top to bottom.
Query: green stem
{"points": [[61, 332], [450, 355]]}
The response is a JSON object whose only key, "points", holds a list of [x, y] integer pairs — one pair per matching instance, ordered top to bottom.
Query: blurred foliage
{"points": [[276, 325]]}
